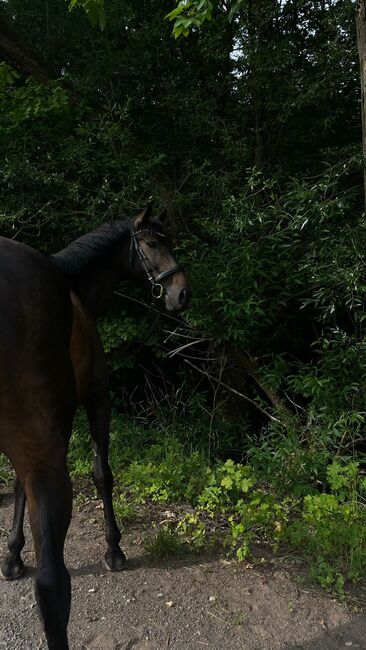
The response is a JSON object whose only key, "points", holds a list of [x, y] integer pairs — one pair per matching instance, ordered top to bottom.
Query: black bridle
{"points": [[157, 289]]}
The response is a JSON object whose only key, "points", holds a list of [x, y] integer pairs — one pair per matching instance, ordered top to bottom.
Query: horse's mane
{"points": [[96, 245], [89, 248]]}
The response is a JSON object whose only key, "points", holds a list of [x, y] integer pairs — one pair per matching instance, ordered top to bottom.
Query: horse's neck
{"points": [[95, 284]]}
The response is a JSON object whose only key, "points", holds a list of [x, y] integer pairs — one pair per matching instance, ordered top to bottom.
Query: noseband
{"points": [[157, 289]]}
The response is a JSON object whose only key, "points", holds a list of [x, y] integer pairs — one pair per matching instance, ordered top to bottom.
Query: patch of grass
{"points": [[80, 455], [124, 508], [165, 543], [239, 619]]}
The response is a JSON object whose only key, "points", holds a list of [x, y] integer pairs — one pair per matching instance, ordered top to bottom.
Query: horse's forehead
{"points": [[157, 231]]}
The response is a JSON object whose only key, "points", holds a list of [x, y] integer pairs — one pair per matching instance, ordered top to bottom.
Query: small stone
{"points": [[92, 590], [160, 595], [212, 599], [170, 603], [348, 644]]}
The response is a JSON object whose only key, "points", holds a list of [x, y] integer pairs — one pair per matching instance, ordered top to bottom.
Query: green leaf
{"points": [[94, 10], [227, 482]]}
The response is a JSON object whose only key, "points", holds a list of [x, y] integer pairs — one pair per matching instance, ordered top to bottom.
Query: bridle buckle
{"points": [[157, 290]]}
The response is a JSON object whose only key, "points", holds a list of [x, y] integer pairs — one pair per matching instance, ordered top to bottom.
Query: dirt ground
{"points": [[191, 603]]}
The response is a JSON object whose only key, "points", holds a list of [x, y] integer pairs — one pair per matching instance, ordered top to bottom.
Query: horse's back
{"points": [[34, 298], [37, 386]]}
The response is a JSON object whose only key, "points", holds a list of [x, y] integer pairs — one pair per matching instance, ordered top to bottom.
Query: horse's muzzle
{"points": [[179, 301]]}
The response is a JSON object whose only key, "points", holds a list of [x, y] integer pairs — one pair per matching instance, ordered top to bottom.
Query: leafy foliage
{"points": [[94, 9], [189, 14], [239, 129]]}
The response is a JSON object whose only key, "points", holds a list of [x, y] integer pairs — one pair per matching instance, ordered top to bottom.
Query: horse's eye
{"points": [[152, 244]]}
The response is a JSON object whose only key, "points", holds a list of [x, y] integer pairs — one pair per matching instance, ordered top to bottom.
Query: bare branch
{"points": [[232, 390]]}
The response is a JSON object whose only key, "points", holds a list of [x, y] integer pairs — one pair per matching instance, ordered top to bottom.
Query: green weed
{"points": [[124, 508], [165, 543]]}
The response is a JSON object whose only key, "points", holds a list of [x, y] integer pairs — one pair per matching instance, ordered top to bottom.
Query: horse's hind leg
{"points": [[98, 411], [49, 502], [12, 566]]}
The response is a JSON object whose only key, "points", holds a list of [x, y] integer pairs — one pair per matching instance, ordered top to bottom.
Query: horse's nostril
{"points": [[183, 297]]}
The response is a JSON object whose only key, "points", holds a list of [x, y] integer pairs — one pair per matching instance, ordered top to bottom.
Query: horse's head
{"points": [[156, 262]]}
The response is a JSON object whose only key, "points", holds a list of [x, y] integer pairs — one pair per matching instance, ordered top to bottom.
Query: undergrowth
{"points": [[290, 492]]}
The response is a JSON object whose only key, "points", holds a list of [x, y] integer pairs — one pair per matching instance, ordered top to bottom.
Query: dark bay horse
{"points": [[51, 361]]}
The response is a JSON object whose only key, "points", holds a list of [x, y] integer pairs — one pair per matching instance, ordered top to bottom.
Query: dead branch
{"points": [[232, 390]]}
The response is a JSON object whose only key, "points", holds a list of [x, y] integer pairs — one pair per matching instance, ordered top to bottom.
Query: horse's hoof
{"points": [[115, 560], [11, 568]]}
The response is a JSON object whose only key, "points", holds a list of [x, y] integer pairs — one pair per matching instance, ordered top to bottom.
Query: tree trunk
{"points": [[261, 24], [361, 46], [19, 55]]}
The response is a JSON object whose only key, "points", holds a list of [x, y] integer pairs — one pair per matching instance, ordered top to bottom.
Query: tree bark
{"points": [[361, 46], [19, 55]]}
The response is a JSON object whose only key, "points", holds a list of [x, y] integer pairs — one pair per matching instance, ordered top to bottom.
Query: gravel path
{"points": [[188, 604]]}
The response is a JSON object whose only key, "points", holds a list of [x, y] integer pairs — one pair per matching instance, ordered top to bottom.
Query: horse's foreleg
{"points": [[98, 411], [49, 499], [12, 566]]}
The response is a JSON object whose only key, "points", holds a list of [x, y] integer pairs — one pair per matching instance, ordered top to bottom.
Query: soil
{"points": [[189, 603]]}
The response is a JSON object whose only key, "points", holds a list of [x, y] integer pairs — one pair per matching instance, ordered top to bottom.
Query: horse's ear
{"points": [[143, 216], [163, 216]]}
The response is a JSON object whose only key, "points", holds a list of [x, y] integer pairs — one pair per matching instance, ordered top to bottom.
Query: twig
{"points": [[32, 216], [144, 304], [183, 336], [183, 347], [203, 357], [233, 390], [215, 406], [297, 406], [218, 617]]}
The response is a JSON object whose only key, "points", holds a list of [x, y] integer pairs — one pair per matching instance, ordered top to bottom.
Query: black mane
{"points": [[87, 249]]}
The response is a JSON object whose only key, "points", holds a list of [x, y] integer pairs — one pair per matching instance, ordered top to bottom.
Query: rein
{"points": [[157, 289]]}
